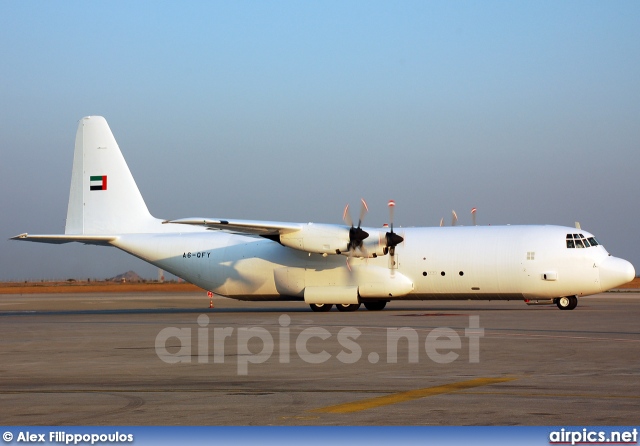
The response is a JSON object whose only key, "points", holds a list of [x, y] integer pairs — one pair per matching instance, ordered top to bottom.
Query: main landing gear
{"points": [[567, 302], [375, 305], [347, 307], [321, 308]]}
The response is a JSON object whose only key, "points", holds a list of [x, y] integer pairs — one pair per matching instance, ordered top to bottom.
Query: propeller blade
{"points": [[363, 211], [346, 217], [454, 218], [442, 222], [356, 234], [391, 238]]}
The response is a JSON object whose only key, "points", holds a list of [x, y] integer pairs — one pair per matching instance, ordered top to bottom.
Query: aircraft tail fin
{"points": [[104, 197]]}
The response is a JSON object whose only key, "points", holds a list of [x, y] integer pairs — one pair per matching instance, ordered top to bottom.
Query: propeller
{"points": [[356, 234], [391, 237]]}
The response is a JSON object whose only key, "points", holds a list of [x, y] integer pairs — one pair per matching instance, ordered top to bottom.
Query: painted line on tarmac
{"points": [[584, 338], [411, 395], [555, 395]]}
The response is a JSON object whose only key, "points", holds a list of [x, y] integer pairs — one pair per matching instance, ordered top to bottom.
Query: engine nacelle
{"points": [[318, 238], [331, 239], [374, 245]]}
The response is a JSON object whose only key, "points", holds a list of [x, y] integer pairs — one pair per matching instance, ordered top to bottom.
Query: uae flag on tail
{"points": [[98, 182]]}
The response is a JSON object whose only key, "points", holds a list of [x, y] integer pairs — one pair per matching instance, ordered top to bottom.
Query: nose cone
{"points": [[615, 272]]}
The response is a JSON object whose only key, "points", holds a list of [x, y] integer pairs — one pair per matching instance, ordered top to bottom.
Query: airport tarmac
{"points": [[105, 359]]}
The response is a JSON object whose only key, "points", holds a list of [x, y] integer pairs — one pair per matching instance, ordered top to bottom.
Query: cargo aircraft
{"points": [[323, 265]]}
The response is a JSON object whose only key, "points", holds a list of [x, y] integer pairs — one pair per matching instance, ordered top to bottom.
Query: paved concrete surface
{"points": [[93, 360]]}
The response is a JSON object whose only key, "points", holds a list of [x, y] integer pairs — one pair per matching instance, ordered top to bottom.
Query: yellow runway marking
{"points": [[557, 395], [396, 398], [298, 418]]}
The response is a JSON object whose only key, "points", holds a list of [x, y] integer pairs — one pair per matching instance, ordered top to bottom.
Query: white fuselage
{"points": [[477, 262], [319, 263]]}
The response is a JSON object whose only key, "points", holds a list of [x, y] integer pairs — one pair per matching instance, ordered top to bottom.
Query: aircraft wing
{"points": [[252, 227], [60, 239]]}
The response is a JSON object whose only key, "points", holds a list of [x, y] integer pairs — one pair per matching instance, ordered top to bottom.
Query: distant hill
{"points": [[129, 277]]}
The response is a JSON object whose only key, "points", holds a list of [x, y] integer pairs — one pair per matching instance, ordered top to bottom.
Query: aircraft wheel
{"points": [[567, 302], [376, 305], [347, 307], [320, 308]]}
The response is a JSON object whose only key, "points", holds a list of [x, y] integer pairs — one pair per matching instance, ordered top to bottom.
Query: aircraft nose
{"points": [[615, 272]]}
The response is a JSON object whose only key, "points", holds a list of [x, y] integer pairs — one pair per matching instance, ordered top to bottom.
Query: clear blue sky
{"points": [[529, 111]]}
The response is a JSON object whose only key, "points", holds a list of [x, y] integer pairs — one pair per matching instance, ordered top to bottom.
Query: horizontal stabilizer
{"points": [[104, 240]]}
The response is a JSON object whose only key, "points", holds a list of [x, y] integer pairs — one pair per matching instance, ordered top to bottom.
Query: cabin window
{"points": [[593, 241], [579, 243]]}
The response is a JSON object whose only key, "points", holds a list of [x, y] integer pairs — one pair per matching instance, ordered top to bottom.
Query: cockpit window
{"points": [[580, 241]]}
